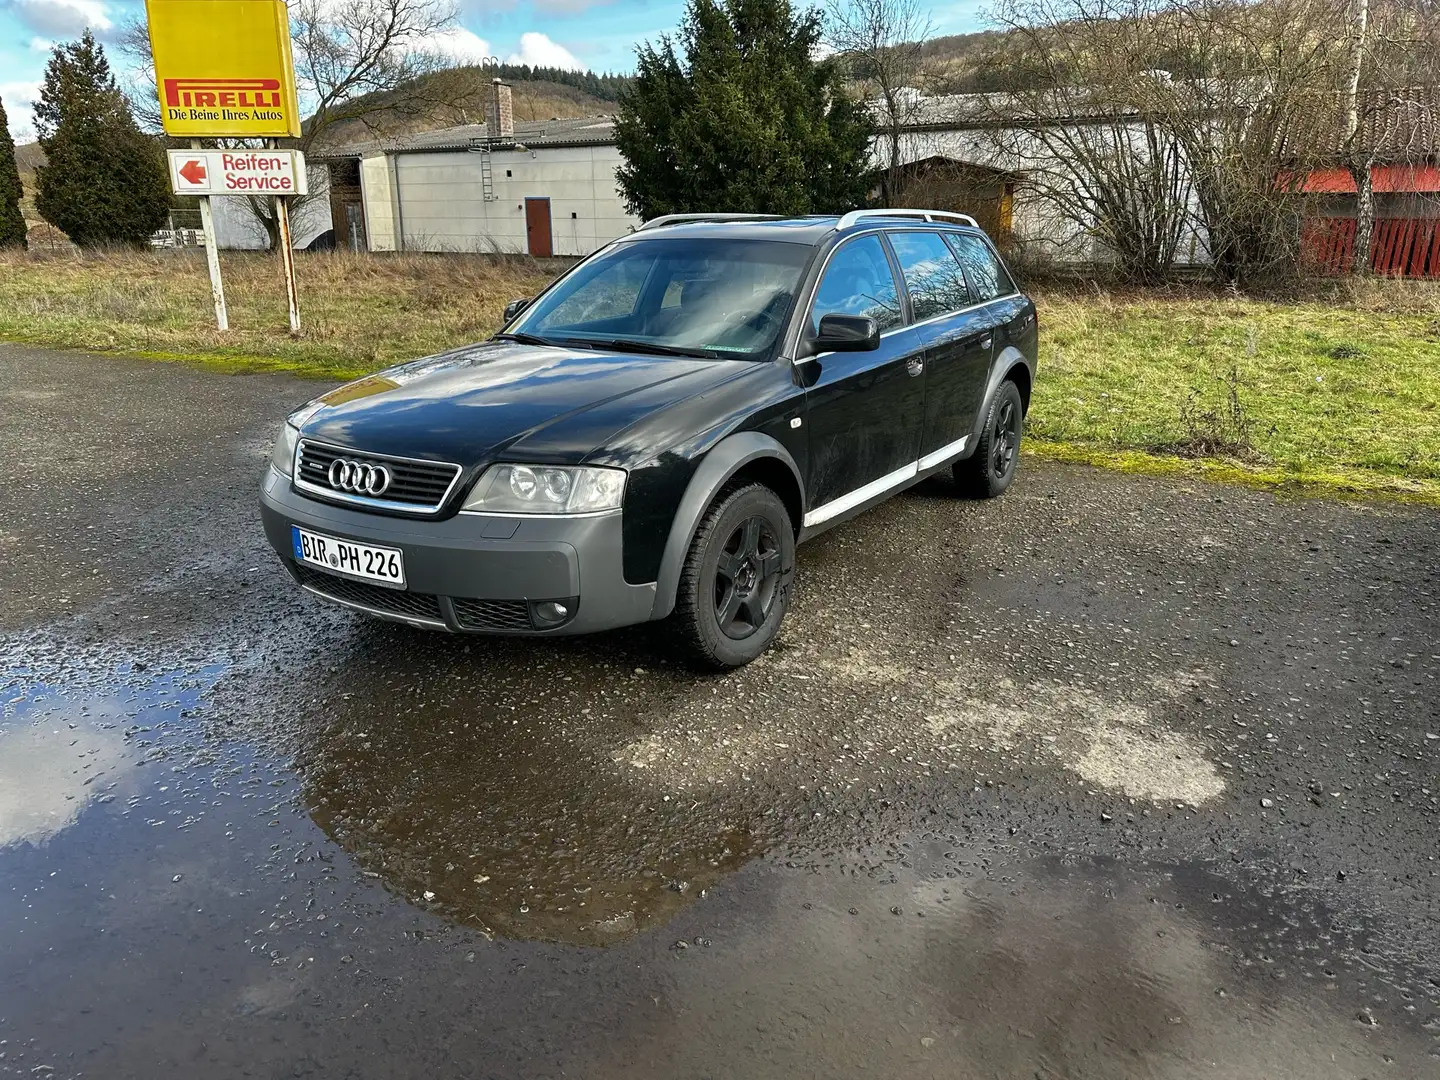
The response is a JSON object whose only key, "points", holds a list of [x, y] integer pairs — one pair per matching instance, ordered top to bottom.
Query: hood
{"points": [[470, 406]]}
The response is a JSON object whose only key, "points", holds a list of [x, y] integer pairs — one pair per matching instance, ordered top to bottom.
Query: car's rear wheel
{"points": [[990, 470], [735, 585]]}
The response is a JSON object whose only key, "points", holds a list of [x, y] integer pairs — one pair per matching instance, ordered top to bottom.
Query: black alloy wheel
{"points": [[1007, 438], [989, 471], [747, 578], [734, 588]]}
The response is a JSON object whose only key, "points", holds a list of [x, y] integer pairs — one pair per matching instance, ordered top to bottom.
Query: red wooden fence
{"points": [[1401, 247]]}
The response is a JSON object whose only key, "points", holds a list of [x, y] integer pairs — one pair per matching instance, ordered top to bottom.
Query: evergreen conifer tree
{"points": [[740, 115], [104, 181], [12, 222]]}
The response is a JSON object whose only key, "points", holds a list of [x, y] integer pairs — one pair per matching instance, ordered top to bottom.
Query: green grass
{"points": [[1333, 393], [1338, 394]]}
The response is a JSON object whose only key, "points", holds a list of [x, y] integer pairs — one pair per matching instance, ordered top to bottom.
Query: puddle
{"points": [[63, 750], [513, 824], [416, 885], [1053, 969]]}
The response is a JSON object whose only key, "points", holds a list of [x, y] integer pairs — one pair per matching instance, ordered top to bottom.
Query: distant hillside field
{"points": [[459, 95]]}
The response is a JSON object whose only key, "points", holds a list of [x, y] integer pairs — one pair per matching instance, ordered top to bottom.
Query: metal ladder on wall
{"points": [[487, 173]]}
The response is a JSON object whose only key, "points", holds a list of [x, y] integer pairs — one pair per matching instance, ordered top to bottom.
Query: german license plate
{"points": [[382, 565]]}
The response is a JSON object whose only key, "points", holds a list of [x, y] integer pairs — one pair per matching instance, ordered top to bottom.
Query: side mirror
{"points": [[514, 307], [847, 333]]}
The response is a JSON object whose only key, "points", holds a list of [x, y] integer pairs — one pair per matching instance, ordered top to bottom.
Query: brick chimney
{"points": [[500, 112]]}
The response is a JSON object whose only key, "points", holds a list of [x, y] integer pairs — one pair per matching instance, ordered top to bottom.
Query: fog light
{"points": [[549, 613]]}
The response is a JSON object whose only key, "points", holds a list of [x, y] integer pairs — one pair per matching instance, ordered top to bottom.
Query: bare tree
{"points": [[883, 42], [355, 60], [1248, 104], [1218, 111], [1069, 123], [1361, 164]]}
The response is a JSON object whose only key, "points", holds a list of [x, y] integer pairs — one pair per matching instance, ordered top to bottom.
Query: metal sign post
{"points": [[212, 257], [287, 260]]}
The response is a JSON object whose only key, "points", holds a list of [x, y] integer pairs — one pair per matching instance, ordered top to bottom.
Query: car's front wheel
{"points": [[989, 471], [735, 586]]}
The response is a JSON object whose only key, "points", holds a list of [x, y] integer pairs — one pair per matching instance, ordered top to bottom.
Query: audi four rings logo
{"points": [[359, 477]]}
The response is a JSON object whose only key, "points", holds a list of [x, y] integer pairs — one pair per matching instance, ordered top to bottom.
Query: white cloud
{"points": [[60, 18], [456, 44], [41, 45], [537, 50], [18, 98]]}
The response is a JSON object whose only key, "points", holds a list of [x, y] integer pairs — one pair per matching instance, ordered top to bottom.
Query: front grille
{"points": [[417, 485], [395, 601], [492, 614]]}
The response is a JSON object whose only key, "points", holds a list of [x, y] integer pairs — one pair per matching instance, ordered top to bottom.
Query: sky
{"points": [[600, 35]]}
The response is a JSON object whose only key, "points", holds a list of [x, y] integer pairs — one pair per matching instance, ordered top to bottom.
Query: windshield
{"points": [[707, 297]]}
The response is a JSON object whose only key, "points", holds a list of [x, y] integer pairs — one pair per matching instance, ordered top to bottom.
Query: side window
{"points": [[932, 274], [987, 276], [858, 281]]}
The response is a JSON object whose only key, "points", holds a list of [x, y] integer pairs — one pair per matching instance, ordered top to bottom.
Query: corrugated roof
{"points": [[1403, 125], [576, 131]]}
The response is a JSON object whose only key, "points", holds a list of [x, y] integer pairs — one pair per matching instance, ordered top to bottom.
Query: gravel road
{"points": [[1113, 777]]}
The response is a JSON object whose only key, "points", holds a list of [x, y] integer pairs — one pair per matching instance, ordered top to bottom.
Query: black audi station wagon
{"points": [[653, 434]]}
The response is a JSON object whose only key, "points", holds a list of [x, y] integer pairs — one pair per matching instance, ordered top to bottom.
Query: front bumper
{"points": [[470, 573]]}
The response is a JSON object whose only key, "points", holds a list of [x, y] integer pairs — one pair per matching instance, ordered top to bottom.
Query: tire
{"points": [[989, 471], [734, 588]]}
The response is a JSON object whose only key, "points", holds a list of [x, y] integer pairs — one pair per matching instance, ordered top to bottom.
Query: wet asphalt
{"points": [[1113, 777]]}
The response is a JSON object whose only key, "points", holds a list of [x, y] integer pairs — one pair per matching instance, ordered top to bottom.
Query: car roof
{"points": [[798, 230]]}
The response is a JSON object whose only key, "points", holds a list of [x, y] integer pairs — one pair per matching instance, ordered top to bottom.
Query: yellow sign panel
{"points": [[223, 67]]}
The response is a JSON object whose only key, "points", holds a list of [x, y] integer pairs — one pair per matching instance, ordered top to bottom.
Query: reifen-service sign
{"points": [[224, 68], [238, 172]]}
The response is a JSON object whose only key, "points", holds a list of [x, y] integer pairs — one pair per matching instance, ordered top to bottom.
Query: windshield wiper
{"points": [[523, 339], [633, 345]]}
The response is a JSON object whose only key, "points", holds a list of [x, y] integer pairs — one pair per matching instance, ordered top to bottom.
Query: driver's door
{"points": [[863, 409]]}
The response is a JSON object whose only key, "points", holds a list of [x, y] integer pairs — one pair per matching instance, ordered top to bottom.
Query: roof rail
{"points": [[681, 219], [850, 220]]}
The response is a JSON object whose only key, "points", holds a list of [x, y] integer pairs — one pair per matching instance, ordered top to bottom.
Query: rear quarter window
{"points": [[987, 277]]}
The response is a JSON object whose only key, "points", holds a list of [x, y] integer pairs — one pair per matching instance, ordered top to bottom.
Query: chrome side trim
{"points": [[944, 454], [304, 485], [850, 500], [408, 620]]}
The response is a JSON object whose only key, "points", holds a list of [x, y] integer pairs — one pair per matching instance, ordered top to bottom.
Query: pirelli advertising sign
{"points": [[223, 68]]}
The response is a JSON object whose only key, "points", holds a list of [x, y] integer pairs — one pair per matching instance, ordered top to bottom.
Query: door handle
{"points": [[915, 365]]}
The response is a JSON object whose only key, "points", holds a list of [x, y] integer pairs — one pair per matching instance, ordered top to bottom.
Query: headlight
{"points": [[282, 458], [547, 489]]}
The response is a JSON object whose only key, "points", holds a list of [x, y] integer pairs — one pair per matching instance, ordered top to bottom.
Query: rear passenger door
{"points": [[1009, 313], [957, 337], [863, 409]]}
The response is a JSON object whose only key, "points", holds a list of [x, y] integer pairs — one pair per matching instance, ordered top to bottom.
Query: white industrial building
{"points": [[542, 188], [237, 228]]}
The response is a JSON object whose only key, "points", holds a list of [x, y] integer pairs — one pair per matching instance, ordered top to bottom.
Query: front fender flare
{"points": [[723, 461]]}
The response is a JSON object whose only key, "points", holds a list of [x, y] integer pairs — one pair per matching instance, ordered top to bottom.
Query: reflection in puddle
{"points": [[62, 748], [504, 827], [1096, 970]]}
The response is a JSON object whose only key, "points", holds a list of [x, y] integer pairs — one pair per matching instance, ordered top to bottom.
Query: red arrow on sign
{"points": [[193, 172]]}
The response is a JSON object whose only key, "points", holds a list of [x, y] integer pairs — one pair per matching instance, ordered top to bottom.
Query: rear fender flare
{"points": [[1010, 359], [722, 462]]}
